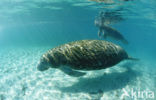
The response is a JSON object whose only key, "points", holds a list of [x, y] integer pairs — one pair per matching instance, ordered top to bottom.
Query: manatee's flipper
{"points": [[99, 32], [104, 34], [71, 72]]}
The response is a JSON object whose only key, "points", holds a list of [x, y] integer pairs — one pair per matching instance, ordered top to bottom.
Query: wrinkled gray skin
{"points": [[107, 31], [82, 55]]}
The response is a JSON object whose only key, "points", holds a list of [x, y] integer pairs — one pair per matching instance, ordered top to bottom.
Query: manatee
{"points": [[107, 31], [112, 33], [82, 55]]}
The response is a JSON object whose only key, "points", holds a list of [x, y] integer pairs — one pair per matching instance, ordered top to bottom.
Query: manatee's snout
{"points": [[42, 66]]}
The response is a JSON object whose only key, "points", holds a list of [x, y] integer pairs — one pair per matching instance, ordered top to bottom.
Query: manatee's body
{"points": [[106, 31], [112, 33], [83, 55]]}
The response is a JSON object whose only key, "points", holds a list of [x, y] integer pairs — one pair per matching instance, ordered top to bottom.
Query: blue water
{"points": [[28, 28]]}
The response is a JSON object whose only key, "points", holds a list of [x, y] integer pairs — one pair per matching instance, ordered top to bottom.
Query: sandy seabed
{"points": [[20, 80]]}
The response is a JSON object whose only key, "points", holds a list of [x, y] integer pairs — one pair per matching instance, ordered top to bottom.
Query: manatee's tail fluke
{"points": [[131, 58]]}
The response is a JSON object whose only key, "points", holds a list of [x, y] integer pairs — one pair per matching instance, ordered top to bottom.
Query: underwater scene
{"points": [[78, 50]]}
